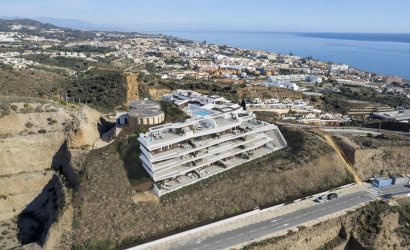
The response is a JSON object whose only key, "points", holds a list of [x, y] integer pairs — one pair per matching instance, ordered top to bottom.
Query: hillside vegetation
{"points": [[35, 83], [101, 88], [108, 215]]}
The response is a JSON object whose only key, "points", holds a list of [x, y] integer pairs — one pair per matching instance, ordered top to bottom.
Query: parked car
{"points": [[332, 196], [327, 197], [321, 199]]}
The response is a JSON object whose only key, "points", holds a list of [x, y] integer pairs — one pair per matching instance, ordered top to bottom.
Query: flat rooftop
{"points": [[398, 114], [200, 126]]}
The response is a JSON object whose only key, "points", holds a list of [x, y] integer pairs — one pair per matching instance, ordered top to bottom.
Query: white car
{"points": [[327, 197], [321, 199]]}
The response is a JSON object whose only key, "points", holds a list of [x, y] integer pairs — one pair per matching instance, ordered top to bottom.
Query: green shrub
{"points": [[14, 107], [51, 121], [28, 124]]}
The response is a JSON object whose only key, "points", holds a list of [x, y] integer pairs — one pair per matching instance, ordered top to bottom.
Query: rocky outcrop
{"points": [[158, 93], [41, 150]]}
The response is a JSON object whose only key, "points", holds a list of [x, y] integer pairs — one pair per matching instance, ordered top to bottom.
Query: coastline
{"points": [[380, 57]]}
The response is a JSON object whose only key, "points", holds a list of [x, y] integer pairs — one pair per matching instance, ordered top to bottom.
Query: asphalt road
{"points": [[395, 189], [276, 224]]}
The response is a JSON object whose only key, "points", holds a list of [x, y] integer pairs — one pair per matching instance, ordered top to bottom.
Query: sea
{"points": [[385, 54]]}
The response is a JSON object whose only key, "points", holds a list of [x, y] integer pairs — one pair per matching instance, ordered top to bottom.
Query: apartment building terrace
{"points": [[180, 154]]}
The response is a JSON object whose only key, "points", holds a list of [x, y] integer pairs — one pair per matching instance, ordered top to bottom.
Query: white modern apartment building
{"points": [[286, 85], [274, 103], [219, 136]]}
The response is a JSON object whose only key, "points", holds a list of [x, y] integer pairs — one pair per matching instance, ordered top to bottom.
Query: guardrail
{"points": [[164, 242]]}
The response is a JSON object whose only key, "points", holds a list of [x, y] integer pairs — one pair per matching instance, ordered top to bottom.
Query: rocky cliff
{"points": [[41, 147]]}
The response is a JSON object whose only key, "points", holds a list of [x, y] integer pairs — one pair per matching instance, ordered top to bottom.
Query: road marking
{"points": [[252, 231], [230, 238], [219, 241]]}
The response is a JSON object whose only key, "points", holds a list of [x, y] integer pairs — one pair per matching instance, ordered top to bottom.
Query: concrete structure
{"points": [[338, 67], [392, 79], [286, 85], [300, 105], [143, 112], [394, 116], [220, 136], [400, 179], [382, 182]]}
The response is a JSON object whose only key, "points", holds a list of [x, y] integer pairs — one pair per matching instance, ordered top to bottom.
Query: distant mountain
{"points": [[26, 22], [60, 22], [68, 23], [72, 23]]}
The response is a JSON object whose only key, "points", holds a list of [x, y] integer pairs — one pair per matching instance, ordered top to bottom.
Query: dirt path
{"points": [[132, 87], [348, 165]]}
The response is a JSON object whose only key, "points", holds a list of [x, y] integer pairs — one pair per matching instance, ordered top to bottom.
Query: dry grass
{"points": [[29, 82], [105, 209]]}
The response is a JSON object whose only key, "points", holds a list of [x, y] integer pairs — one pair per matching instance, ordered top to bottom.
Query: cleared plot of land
{"points": [[377, 156], [105, 211]]}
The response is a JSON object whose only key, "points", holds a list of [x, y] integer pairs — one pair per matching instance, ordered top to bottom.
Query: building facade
{"points": [[141, 113], [219, 136]]}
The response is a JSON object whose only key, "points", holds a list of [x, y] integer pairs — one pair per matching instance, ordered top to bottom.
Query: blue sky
{"points": [[225, 15]]}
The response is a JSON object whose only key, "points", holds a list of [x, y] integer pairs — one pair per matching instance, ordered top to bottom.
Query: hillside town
{"points": [[174, 58], [148, 140]]}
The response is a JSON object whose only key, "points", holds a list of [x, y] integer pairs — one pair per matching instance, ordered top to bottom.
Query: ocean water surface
{"points": [[387, 54]]}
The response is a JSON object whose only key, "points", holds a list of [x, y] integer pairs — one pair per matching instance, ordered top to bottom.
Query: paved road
{"points": [[343, 129], [395, 190], [276, 224]]}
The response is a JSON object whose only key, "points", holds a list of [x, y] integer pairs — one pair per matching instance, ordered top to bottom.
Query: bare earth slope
{"points": [[35, 139], [388, 154]]}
